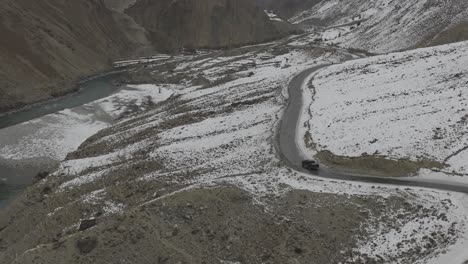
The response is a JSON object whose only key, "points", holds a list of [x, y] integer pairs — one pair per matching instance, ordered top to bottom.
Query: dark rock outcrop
{"points": [[173, 25], [45, 46], [87, 224]]}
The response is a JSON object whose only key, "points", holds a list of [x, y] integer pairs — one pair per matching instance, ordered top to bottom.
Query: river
{"points": [[91, 90], [15, 176]]}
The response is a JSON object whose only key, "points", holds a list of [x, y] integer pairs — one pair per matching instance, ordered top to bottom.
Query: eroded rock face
{"points": [[287, 8], [200, 23], [47, 45], [87, 224]]}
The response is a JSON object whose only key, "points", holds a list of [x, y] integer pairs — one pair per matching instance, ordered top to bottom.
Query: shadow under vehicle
{"points": [[310, 165]]}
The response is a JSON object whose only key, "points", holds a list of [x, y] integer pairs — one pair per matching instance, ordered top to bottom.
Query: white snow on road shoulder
{"points": [[411, 105]]}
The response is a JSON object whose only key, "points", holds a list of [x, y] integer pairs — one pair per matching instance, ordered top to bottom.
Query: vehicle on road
{"points": [[310, 165]]}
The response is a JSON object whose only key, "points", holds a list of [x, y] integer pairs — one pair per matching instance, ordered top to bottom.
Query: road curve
{"points": [[292, 155]]}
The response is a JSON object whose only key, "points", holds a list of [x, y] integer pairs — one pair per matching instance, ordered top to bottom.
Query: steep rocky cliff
{"points": [[203, 23], [47, 45]]}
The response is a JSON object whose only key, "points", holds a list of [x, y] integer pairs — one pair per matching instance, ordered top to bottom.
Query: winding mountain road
{"points": [[292, 155]]}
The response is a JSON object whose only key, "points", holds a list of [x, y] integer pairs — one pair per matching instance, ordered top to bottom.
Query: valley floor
{"points": [[197, 176]]}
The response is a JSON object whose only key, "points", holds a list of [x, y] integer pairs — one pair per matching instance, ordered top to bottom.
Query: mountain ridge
{"points": [[173, 25], [384, 26], [47, 46], [43, 52]]}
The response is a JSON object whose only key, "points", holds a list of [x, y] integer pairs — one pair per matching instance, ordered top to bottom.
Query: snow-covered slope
{"points": [[273, 16], [384, 25], [409, 105], [63, 132], [197, 177]]}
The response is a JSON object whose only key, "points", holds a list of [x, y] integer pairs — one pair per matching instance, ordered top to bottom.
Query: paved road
{"points": [[293, 156]]}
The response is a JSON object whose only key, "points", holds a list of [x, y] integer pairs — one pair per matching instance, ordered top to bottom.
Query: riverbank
{"points": [[86, 90], [39, 144], [15, 175]]}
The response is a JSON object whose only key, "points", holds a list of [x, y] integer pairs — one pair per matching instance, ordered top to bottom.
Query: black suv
{"points": [[310, 165]]}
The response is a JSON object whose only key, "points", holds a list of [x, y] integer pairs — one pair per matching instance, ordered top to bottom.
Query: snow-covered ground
{"points": [[274, 17], [383, 25], [133, 97], [410, 105], [220, 131], [237, 132], [223, 134], [51, 136], [54, 136], [389, 243], [456, 253]]}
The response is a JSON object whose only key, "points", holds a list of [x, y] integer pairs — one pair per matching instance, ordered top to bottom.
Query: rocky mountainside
{"points": [[119, 5], [287, 8], [200, 23], [128, 25], [382, 26], [46, 45], [190, 172], [195, 178]]}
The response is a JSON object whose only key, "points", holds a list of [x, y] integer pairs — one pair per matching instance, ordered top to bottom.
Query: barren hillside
{"points": [[287, 8], [200, 23], [382, 26], [46, 45], [197, 177]]}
